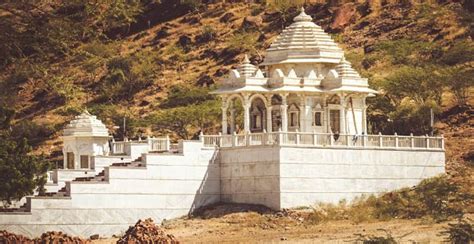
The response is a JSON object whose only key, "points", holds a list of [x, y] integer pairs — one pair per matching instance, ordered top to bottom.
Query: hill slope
{"points": [[135, 75]]}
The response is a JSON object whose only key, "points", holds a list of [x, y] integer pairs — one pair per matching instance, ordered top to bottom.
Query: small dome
{"points": [[303, 42], [246, 69], [344, 69], [86, 125]]}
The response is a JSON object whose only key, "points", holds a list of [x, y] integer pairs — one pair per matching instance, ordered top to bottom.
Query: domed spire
{"points": [[303, 17], [303, 42], [246, 69], [344, 69], [87, 125]]}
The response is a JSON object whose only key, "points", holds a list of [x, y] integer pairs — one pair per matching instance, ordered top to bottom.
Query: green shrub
{"points": [[244, 42], [407, 52], [459, 52], [127, 76], [63, 87], [180, 95], [434, 197], [459, 232], [374, 239]]}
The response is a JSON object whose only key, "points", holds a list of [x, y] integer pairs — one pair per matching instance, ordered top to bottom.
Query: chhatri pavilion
{"points": [[304, 84]]}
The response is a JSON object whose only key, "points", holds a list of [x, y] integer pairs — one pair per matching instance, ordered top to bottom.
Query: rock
{"points": [[344, 15], [227, 17], [252, 22], [162, 33], [185, 41], [220, 72], [205, 80], [94, 237]]}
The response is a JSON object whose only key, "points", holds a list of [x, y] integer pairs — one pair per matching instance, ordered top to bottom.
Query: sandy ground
{"points": [[252, 227]]}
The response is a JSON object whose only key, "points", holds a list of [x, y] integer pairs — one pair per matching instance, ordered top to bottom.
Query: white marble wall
{"points": [[250, 175], [308, 176], [173, 185], [170, 186]]}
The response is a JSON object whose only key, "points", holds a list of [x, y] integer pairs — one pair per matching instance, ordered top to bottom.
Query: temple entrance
{"points": [[276, 112], [257, 115], [334, 120], [70, 160], [84, 161]]}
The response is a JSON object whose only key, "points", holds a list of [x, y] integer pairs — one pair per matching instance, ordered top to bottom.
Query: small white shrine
{"points": [[304, 84], [84, 137]]}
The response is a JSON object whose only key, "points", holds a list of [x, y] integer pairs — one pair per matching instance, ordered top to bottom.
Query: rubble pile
{"points": [[146, 231], [7, 237], [48, 237], [59, 237]]}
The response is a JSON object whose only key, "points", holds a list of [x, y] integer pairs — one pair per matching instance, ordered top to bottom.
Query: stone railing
{"points": [[324, 140], [159, 144]]}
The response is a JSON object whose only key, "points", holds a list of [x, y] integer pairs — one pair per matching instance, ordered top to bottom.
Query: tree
{"points": [[459, 80], [418, 84], [187, 120], [20, 172]]}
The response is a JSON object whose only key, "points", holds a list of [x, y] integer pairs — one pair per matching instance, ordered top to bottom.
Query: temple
{"points": [[304, 84], [294, 133]]}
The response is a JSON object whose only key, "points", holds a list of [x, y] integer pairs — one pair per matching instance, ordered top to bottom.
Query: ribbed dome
{"points": [[303, 42], [246, 69], [344, 69], [86, 125]]}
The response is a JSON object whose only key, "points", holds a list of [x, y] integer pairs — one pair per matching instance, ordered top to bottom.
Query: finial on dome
{"points": [[303, 17], [246, 59], [86, 112]]}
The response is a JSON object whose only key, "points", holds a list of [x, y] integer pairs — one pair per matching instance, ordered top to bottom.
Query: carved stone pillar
{"points": [[247, 105], [268, 108], [284, 112], [302, 113], [343, 114], [224, 115], [364, 116], [224, 120], [232, 120]]}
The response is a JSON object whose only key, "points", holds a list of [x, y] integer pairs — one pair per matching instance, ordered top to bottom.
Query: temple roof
{"points": [[303, 42], [86, 125]]}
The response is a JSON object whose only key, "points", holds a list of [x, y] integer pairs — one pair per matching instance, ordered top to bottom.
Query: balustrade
{"points": [[324, 140]]}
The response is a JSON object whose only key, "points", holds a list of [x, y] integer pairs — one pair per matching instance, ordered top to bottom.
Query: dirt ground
{"points": [[273, 227]]}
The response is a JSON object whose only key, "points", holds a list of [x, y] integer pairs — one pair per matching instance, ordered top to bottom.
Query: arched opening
{"points": [[276, 101], [334, 104], [235, 115], [257, 115], [293, 117]]}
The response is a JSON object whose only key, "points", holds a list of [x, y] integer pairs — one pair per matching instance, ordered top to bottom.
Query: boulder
{"points": [[343, 16], [227, 17], [252, 22]]}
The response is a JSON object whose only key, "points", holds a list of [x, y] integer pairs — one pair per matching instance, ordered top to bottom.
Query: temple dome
{"points": [[303, 42], [86, 125]]}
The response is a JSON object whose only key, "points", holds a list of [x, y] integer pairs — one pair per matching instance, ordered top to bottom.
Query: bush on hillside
{"points": [[128, 75], [180, 95], [186, 121], [435, 197], [459, 232]]}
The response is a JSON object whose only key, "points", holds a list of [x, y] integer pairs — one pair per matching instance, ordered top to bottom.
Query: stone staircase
{"points": [[100, 177], [22, 209]]}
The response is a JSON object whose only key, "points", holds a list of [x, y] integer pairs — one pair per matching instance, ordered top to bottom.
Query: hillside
{"points": [[167, 61]]}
